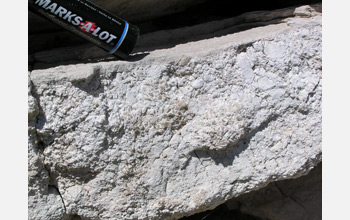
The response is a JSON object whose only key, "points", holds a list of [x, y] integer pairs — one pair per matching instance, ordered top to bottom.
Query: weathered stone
{"points": [[33, 108], [180, 131], [299, 198], [292, 199]]}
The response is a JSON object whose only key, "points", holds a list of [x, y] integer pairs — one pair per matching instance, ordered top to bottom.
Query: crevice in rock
{"points": [[312, 93], [40, 119], [42, 143], [41, 146], [53, 182], [58, 191]]}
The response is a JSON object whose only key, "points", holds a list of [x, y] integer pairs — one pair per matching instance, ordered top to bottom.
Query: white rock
{"points": [[197, 84], [136, 145]]}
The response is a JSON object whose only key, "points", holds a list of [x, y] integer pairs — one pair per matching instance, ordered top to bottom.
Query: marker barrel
{"points": [[92, 23]]}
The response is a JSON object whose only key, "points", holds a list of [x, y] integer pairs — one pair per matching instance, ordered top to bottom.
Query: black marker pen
{"points": [[94, 24]]}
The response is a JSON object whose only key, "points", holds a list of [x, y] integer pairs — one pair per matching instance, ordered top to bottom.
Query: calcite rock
{"points": [[180, 131]]}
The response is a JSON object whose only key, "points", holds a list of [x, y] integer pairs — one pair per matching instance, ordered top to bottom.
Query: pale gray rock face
{"points": [[180, 131]]}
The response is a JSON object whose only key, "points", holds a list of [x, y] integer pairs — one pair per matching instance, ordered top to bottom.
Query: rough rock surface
{"points": [[180, 131], [299, 198], [290, 199]]}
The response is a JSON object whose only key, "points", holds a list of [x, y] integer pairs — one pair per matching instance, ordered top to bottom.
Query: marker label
{"points": [[90, 22]]}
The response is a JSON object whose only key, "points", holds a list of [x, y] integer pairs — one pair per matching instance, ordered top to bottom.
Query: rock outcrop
{"points": [[181, 129]]}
